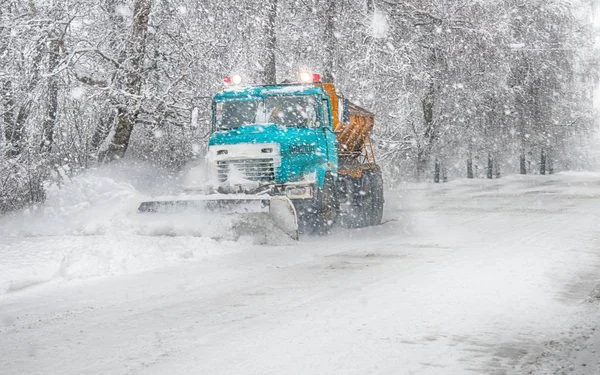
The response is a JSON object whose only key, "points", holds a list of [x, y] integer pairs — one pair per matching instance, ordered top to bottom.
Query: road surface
{"points": [[483, 277]]}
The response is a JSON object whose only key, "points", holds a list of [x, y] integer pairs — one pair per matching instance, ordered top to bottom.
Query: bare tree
{"points": [[270, 29], [330, 41], [129, 111]]}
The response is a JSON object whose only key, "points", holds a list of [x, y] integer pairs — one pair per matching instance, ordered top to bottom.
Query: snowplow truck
{"points": [[302, 143]]}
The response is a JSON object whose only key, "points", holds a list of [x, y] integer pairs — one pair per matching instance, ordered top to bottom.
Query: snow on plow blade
{"points": [[247, 208]]}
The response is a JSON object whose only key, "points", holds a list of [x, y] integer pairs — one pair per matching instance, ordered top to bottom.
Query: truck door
{"points": [[329, 138]]}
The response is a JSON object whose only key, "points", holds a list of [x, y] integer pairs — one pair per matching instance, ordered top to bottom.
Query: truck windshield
{"points": [[289, 111], [230, 115]]}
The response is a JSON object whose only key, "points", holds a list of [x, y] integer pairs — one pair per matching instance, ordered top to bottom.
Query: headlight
{"points": [[299, 192]]}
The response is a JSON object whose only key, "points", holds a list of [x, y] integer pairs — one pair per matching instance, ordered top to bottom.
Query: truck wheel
{"points": [[372, 198], [378, 198], [347, 199], [367, 201], [326, 207]]}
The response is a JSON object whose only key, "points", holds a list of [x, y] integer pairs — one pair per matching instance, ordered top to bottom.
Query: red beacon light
{"points": [[316, 77], [232, 80]]}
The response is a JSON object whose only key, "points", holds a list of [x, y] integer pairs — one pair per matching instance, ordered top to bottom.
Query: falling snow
{"points": [[282, 233]]}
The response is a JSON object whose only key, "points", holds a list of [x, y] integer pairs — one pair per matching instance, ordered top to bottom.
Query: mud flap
{"points": [[247, 208]]}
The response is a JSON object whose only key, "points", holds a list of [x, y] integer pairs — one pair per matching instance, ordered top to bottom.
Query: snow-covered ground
{"points": [[487, 277]]}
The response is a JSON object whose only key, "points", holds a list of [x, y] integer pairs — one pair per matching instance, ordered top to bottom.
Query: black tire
{"points": [[378, 197], [372, 198], [366, 200], [326, 207], [349, 210], [318, 215]]}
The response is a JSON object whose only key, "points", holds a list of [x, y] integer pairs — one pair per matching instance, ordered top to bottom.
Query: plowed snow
{"points": [[476, 276]]}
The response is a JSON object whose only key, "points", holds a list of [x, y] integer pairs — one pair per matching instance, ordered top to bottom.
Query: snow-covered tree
{"points": [[459, 83]]}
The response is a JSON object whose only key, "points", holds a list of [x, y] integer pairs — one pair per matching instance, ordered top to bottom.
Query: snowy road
{"points": [[487, 277]]}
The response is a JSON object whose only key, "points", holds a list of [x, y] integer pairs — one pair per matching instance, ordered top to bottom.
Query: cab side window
{"points": [[325, 108]]}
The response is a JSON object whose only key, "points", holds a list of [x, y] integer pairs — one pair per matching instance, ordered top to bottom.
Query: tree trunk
{"points": [[116, 20], [330, 41], [270, 63], [6, 97], [52, 104], [428, 104], [8, 106], [128, 113], [106, 122], [15, 124], [15, 132], [101, 132], [429, 135], [120, 142], [422, 160], [543, 162], [522, 163], [470, 166], [490, 166], [497, 169], [436, 172]]}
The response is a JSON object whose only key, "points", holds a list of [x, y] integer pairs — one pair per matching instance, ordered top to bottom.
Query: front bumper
{"points": [[292, 190]]}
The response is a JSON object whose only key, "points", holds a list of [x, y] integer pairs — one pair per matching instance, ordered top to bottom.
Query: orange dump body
{"points": [[354, 137]]}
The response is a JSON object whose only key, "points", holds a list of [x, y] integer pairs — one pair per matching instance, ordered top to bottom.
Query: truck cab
{"points": [[275, 140]]}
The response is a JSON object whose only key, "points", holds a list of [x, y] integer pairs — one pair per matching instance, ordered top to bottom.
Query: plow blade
{"points": [[248, 209]]}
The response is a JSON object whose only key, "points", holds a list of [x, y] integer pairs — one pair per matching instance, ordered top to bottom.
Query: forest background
{"points": [[478, 88]]}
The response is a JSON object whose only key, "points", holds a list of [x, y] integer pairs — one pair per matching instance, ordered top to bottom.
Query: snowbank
{"points": [[95, 202], [89, 226], [32, 261]]}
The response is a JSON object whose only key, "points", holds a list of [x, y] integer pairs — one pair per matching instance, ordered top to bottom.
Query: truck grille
{"points": [[262, 170]]}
